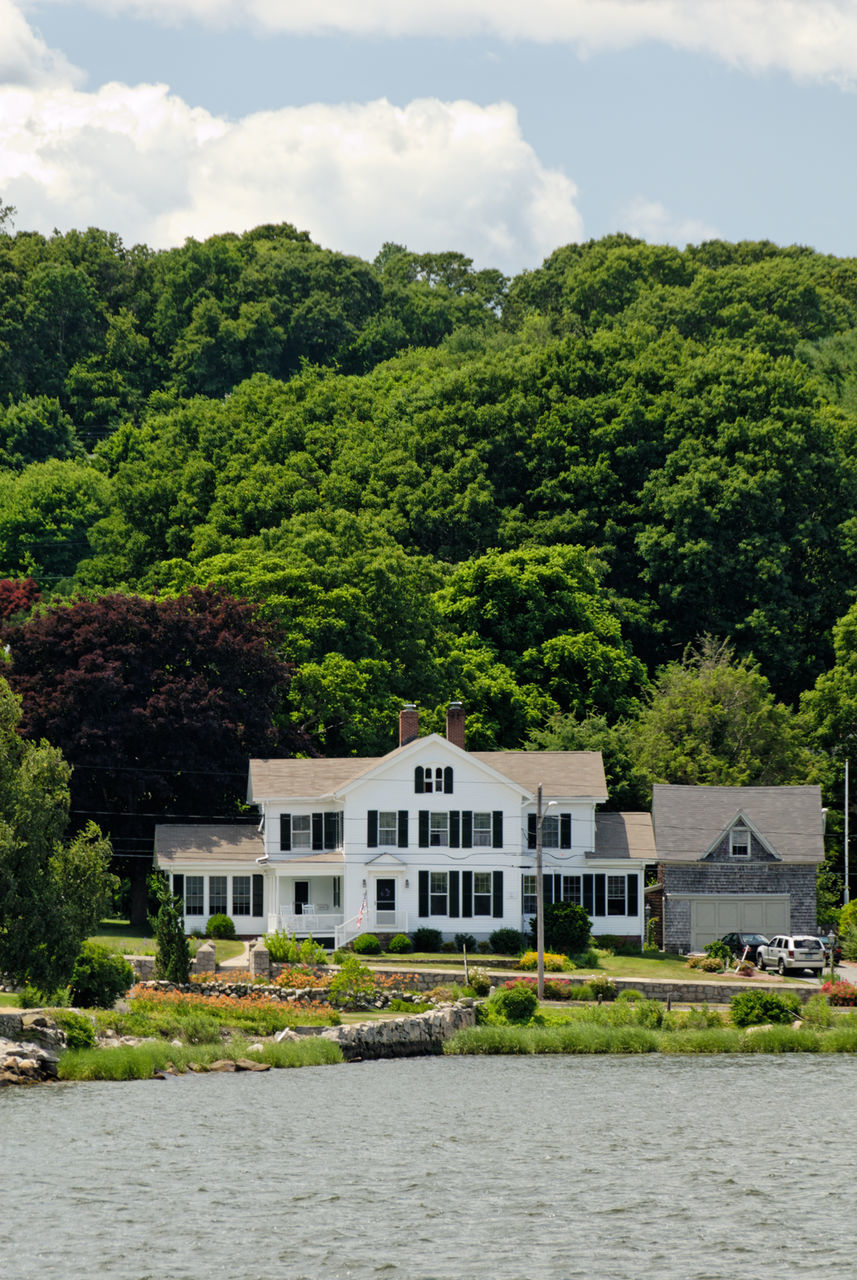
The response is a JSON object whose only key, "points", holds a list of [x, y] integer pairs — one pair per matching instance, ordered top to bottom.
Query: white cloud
{"points": [[807, 38], [25, 59], [141, 162], [652, 221]]}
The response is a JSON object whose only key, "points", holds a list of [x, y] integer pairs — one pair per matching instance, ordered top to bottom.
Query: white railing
{"points": [[372, 921], [309, 922]]}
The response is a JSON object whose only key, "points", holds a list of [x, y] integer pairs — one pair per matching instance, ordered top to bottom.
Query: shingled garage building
{"points": [[735, 859]]}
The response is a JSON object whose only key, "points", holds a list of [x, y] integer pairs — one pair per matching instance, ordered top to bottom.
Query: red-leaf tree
{"points": [[16, 596], [156, 704]]}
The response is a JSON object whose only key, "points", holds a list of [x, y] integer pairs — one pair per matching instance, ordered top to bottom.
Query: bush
{"points": [[220, 926], [567, 927], [427, 939], [465, 942], [507, 942], [366, 944], [400, 944], [618, 945], [483, 947], [284, 948], [449, 948], [719, 951], [172, 958], [553, 963], [710, 964], [99, 977], [480, 982], [353, 983], [602, 987], [555, 990], [630, 993], [840, 993], [34, 998], [517, 1003], [750, 1008], [817, 1011], [79, 1031]]}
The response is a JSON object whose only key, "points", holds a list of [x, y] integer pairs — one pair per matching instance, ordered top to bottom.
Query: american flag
{"points": [[361, 913]]}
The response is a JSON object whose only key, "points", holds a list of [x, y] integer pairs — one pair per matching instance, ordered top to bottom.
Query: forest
{"points": [[610, 502]]}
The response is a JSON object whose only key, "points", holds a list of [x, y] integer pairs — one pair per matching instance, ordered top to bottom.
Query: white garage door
{"points": [[711, 916]]}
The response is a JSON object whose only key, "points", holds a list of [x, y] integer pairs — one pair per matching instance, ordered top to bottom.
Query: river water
{"points": [[505, 1168]]}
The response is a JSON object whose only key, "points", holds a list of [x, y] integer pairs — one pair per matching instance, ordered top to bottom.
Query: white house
{"points": [[430, 834]]}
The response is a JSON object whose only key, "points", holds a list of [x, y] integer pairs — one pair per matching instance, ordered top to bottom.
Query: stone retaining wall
{"points": [[406, 1037], [30, 1046]]}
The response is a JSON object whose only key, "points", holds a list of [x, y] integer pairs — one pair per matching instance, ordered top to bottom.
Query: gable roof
{"points": [[561, 773], [689, 820], [624, 835]]}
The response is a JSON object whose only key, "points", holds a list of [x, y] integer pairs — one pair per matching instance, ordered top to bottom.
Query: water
{"points": [[503, 1168]]}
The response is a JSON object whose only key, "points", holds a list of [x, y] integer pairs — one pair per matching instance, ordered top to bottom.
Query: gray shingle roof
{"points": [[561, 773], [688, 820], [624, 835], [220, 843]]}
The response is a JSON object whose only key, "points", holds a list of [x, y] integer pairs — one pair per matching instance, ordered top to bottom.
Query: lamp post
{"points": [[540, 893]]}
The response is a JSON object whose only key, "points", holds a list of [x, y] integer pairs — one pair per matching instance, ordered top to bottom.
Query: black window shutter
{"points": [[419, 775], [447, 780], [372, 828], [403, 828], [424, 829], [454, 829], [467, 829], [498, 829], [331, 830], [285, 831], [318, 831], [531, 831], [565, 831], [178, 888], [557, 888], [547, 889], [453, 893], [467, 893], [258, 894], [587, 894], [633, 901], [423, 904], [497, 904], [600, 905]]}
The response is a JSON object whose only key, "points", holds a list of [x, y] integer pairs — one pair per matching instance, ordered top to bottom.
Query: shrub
{"points": [[220, 926], [567, 927], [427, 939], [848, 939], [465, 942], [507, 942], [366, 944], [400, 944], [618, 945], [448, 947], [483, 947], [284, 948], [719, 950], [172, 959], [585, 959], [693, 962], [553, 963], [710, 964], [99, 977], [354, 982], [480, 982], [602, 987], [555, 990], [630, 993], [840, 993], [34, 998], [517, 1003], [750, 1008], [817, 1011], [79, 1031]]}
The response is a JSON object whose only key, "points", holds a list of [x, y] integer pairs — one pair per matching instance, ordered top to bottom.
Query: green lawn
{"points": [[119, 935], [652, 965]]}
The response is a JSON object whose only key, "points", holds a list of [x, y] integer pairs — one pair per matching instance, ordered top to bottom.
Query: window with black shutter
{"points": [[419, 780], [447, 780], [424, 828], [498, 828], [372, 829], [403, 829], [454, 829], [467, 829], [332, 830], [531, 830], [285, 831], [318, 831], [565, 831], [178, 888], [547, 889], [467, 893], [498, 893], [258, 894], [423, 895], [633, 899], [454, 902], [588, 903], [600, 903]]}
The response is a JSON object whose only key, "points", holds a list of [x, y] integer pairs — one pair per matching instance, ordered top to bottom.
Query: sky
{"points": [[499, 128]]}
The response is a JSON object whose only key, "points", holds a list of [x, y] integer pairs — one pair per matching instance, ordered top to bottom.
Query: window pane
{"points": [[387, 828], [439, 830], [482, 830], [301, 832], [550, 832], [740, 842], [571, 889], [437, 893], [482, 893], [217, 895], [241, 895], [528, 895], [616, 896], [194, 903]]}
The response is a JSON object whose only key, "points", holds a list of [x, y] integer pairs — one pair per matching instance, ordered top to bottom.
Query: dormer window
{"points": [[431, 778], [739, 842]]}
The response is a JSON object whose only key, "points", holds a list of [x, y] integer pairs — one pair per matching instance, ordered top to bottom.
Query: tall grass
{"points": [[583, 1036], [142, 1061]]}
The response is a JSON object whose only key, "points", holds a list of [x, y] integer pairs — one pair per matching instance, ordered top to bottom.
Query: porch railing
{"points": [[315, 923]]}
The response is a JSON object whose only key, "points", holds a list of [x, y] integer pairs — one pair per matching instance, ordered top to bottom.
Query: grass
{"points": [[137, 940], [651, 965], [588, 1038], [141, 1062]]}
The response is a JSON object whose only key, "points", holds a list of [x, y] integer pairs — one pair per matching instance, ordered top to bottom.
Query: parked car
{"points": [[738, 943], [837, 949], [788, 953]]}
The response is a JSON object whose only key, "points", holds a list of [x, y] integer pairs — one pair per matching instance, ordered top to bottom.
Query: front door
{"points": [[301, 896], [385, 902]]}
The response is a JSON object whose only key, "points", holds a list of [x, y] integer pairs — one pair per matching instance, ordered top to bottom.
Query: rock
{"points": [[222, 1064], [248, 1064]]}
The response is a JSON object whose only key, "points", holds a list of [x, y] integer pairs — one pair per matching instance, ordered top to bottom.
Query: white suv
{"points": [[786, 953]]}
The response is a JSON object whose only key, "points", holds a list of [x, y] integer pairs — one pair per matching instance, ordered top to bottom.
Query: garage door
{"points": [[711, 916]]}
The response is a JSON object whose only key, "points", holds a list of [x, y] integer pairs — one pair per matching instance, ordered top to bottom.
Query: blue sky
{"points": [[496, 128]]}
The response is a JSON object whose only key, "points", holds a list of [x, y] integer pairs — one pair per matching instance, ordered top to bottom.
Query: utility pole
{"points": [[846, 894], [540, 897]]}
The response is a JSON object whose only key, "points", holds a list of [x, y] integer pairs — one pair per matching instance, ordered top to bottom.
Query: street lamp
{"points": [[540, 891]]}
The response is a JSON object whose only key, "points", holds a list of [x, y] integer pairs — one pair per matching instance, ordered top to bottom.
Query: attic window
{"points": [[739, 842]]}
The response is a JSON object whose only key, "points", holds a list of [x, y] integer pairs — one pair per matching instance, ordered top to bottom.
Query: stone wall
{"points": [[406, 1037], [30, 1045]]}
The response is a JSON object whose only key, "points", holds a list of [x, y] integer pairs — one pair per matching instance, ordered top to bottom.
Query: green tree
{"points": [[712, 719], [627, 785], [52, 893], [172, 960]]}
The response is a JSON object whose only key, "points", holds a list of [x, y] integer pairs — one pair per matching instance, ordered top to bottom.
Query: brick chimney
{"points": [[409, 724], [455, 724]]}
